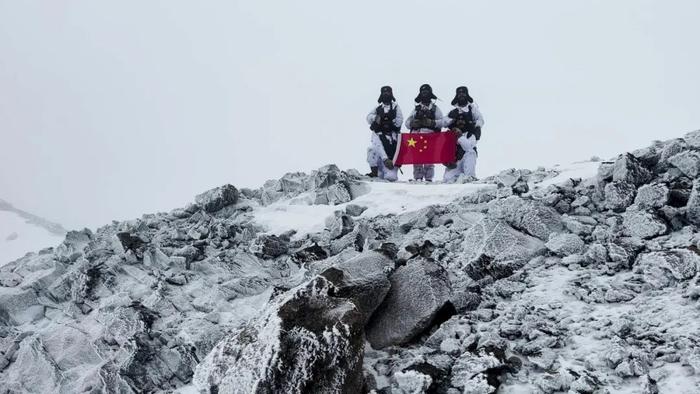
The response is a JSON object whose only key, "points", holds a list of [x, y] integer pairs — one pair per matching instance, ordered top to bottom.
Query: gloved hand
{"points": [[428, 123], [416, 124], [388, 163], [451, 166]]}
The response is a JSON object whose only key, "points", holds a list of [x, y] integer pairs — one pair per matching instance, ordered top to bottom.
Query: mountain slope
{"points": [[22, 232], [529, 281]]}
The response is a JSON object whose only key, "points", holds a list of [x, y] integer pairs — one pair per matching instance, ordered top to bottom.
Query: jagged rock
{"points": [[688, 162], [628, 168], [508, 178], [619, 195], [652, 196], [217, 198], [693, 205], [354, 209], [533, 218], [419, 219], [642, 224], [339, 225], [575, 226], [497, 240], [564, 244], [273, 246], [485, 266], [663, 269], [363, 280], [419, 290], [309, 339], [478, 371]]}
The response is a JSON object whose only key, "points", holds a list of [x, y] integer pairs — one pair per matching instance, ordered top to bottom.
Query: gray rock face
{"points": [[688, 162], [628, 168], [619, 195], [652, 196], [217, 198], [693, 207], [530, 217], [642, 224], [497, 240], [565, 244], [663, 269], [363, 280], [418, 291], [309, 341]]}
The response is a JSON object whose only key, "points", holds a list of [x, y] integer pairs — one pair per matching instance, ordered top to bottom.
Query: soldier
{"points": [[425, 118], [466, 120], [385, 122]]}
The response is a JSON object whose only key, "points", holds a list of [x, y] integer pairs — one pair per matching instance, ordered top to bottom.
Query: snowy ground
{"points": [[386, 198], [17, 237]]}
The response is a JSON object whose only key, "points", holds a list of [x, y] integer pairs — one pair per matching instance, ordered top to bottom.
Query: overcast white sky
{"points": [[110, 109]]}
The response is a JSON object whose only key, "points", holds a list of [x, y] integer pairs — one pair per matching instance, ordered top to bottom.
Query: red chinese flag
{"points": [[426, 148]]}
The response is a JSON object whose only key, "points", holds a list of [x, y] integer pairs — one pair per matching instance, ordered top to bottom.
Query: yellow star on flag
{"points": [[411, 142]]}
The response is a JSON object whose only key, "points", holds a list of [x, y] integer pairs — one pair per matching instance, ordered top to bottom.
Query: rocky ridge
{"points": [[589, 286]]}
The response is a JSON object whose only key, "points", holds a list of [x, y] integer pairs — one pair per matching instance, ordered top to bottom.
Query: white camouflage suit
{"points": [[375, 153], [467, 165], [425, 171]]}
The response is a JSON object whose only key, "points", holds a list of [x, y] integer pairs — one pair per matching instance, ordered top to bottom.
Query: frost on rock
{"points": [[688, 162], [628, 168], [619, 195], [652, 196], [217, 198], [530, 217], [642, 224], [498, 241], [564, 244], [663, 269], [587, 286], [419, 290], [310, 340]]}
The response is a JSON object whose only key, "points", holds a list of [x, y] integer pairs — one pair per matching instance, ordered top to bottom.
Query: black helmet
{"points": [[425, 88], [386, 90], [462, 90]]}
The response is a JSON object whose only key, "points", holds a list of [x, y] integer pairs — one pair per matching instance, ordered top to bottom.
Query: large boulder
{"points": [[688, 162], [628, 168], [619, 195], [652, 196], [217, 198], [693, 206], [528, 216], [642, 224], [497, 240], [565, 244], [663, 269], [363, 280], [419, 290], [310, 340]]}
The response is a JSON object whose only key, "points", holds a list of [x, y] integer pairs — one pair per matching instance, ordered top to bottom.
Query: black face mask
{"points": [[425, 97], [385, 98], [462, 100]]}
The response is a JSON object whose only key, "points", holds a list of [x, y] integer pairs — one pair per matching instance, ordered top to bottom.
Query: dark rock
{"points": [[628, 168], [619, 195], [217, 198], [354, 209], [530, 217], [642, 224], [273, 246], [310, 253], [363, 280], [418, 291], [310, 341]]}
